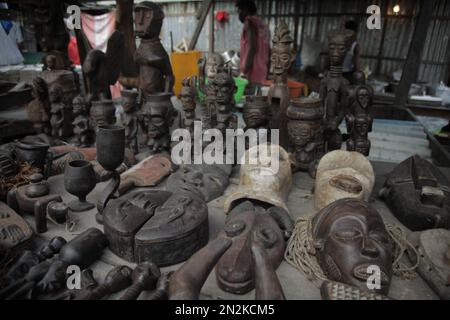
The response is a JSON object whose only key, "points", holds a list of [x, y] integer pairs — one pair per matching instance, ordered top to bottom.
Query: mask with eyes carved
{"points": [[208, 181], [351, 241], [234, 270]]}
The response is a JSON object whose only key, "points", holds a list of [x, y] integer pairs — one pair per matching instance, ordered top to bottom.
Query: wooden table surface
{"points": [[300, 203]]}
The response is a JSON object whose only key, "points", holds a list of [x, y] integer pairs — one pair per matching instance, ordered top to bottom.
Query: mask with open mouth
{"points": [[352, 244]]}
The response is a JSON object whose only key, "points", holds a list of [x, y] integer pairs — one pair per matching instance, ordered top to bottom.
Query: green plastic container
{"points": [[240, 83]]}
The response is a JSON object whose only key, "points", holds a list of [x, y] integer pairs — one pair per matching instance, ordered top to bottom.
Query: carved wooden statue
{"points": [[282, 57], [209, 68], [155, 70], [334, 88], [62, 90], [187, 98], [220, 103], [38, 109], [57, 110], [256, 112], [102, 113], [157, 116], [359, 118], [129, 119], [81, 125], [305, 128]]}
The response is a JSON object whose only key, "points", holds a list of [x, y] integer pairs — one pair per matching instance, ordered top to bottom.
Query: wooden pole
{"points": [[206, 5], [211, 29], [413, 60]]}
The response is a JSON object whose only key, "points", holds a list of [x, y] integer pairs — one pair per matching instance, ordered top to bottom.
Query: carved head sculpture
{"points": [[148, 20], [338, 44], [282, 53], [50, 61], [214, 64], [39, 89], [223, 92], [56, 93], [187, 94], [364, 96], [129, 103], [79, 105], [103, 112], [256, 112], [304, 120], [158, 121], [362, 125], [301, 133], [343, 174], [265, 176], [208, 181], [418, 194], [350, 239], [235, 269]]}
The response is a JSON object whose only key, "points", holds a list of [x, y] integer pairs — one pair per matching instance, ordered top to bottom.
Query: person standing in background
{"points": [[10, 40], [255, 44], [352, 59]]}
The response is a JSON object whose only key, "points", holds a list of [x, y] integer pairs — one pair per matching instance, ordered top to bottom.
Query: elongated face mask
{"points": [[234, 271]]}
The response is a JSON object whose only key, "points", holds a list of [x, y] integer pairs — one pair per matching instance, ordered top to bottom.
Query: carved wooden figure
{"points": [[282, 57], [209, 68], [155, 70], [334, 88], [62, 90], [187, 98], [220, 103], [38, 109], [57, 111], [256, 112], [102, 113], [157, 116], [359, 118], [129, 119], [81, 126], [305, 128]]}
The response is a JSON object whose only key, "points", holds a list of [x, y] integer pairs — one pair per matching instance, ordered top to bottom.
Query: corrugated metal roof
{"points": [[181, 21]]}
